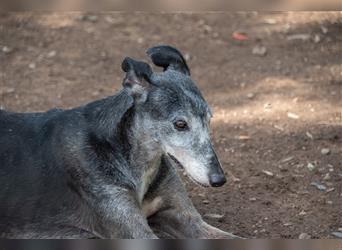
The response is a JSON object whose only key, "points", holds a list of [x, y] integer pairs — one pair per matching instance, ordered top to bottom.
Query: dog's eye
{"points": [[181, 125]]}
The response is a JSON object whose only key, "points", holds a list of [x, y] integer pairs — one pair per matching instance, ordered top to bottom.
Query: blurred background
{"points": [[273, 80]]}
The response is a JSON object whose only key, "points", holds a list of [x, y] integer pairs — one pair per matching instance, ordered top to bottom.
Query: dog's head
{"points": [[175, 114]]}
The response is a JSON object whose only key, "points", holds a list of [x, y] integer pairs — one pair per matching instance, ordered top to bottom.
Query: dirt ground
{"points": [[274, 109]]}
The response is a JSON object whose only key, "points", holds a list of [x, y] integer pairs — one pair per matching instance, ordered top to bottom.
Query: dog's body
{"points": [[101, 170]]}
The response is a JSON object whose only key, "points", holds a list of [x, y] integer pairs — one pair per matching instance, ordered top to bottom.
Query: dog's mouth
{"points": [[174, 159], [180, 166]]}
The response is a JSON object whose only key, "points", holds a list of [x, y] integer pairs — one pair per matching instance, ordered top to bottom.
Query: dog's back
{"points": [[20, 137], [42, 156], [30, 180]]}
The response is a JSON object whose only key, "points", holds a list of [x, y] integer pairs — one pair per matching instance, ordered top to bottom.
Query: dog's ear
{"points": [[169, 58], [137, 77]]}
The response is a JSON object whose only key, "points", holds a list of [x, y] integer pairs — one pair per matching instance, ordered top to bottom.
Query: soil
{"points": [[274, 111]]}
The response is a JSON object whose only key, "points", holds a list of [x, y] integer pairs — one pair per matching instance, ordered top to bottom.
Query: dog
{"points": [[108, 169]]}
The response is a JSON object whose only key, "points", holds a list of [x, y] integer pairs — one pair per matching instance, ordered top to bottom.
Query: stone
{"points": [[92, 18], [303, 37], [317, 38], [6, 49], [259, 50], [51, 54], [32, 65], [250, 95], [292, 115], [325, 151], [311, 166], [268, 173], [327, 177], [319, 186], [302, 213], [218, 217], [337, 234], [304, 236]]}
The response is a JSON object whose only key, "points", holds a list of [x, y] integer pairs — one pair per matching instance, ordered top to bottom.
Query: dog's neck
{"points": [[115, 119], [145, 154]]}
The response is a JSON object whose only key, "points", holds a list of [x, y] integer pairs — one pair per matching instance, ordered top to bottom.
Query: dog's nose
{"points": [[217, 180]]}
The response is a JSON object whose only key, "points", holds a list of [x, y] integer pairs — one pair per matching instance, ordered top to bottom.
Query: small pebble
{"points": [[89, 18], [92, 18], [109, 19], [270, 21], [207, 28], [324, 30], [303, 37], [317, 38], [140, 40], [6, 49], [259, 50], [52, 53], [187, 56], [32, 65], [6, 91], [95, 93], [250, 95], [292, 115], [279, 127], [308, 134], [325, 151], [290, 158], [311, 166], [268, 173], [327, 177], [319, 186], [252, 199], [205, 202], [302, 213], [218, 217], [337, 234], [304, 236]]}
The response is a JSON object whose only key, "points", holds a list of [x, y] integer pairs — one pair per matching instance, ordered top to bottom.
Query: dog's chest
{"points": [[148, 176]]}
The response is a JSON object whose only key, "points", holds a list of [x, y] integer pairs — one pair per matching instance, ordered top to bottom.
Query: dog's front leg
{"points": [[172, 214], [119, 215]]}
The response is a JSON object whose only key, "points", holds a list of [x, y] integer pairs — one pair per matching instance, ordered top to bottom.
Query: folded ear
{"points": [[169, 58], [137, 78]]}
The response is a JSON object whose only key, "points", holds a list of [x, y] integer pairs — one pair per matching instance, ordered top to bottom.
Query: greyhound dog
{"points": [[108, 169]]}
